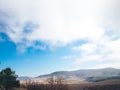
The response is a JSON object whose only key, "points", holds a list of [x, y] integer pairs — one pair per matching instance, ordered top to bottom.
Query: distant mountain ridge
{"points": [[83, 75], [24, 78]]}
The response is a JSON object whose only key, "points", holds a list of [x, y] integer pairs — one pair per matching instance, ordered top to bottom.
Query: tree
{"points": [[8, 79], [57, 83]]}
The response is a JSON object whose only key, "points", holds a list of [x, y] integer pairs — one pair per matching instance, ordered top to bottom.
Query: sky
{"points": [[42, 36]]}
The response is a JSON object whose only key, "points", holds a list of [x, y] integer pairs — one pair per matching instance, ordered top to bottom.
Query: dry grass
{"points": [[103, 85], [20, 89]]}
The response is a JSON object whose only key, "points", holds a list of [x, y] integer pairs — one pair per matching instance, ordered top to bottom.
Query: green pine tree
{"points": [[8, 79]]}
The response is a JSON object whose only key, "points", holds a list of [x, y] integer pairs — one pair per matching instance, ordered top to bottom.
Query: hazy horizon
{"points": [[42, 36]]}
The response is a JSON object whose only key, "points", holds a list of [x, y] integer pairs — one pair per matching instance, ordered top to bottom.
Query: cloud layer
{"points": [[58, 23]]}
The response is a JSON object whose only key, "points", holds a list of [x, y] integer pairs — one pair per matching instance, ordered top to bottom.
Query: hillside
{"points": [[89, 75]]}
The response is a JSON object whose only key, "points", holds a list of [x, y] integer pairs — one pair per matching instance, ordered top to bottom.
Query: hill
{"points": [[83, 75]]}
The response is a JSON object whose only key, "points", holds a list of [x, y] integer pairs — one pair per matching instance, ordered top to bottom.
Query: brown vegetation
{"points": [[52, 84], [59, 84]]}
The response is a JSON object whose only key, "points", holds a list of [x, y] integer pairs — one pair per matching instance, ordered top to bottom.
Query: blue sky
{"points": [[43, 36]]}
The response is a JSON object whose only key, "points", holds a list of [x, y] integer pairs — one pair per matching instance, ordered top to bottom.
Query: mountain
{"points": [[89, 75], [23, 78]]}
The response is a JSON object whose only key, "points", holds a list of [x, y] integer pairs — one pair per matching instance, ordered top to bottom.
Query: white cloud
{"points": [[60, 22], [87, 48], [106, 53], [69, 57], [88, 58], [103, 65]]}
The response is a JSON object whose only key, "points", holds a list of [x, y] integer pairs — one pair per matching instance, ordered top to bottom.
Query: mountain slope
{"points": [[83, 75], [23, 78]]}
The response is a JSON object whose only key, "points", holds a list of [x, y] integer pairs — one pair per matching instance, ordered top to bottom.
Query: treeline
{"points": [[52, 84]]}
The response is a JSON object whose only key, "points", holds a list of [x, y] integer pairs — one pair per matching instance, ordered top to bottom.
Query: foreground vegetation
{"points": [[8, 79], [52, 85], [71, 87]]}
